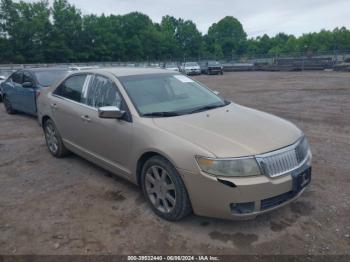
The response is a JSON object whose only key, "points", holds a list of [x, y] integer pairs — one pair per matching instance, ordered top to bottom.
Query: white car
{"points": [[171, 67], [79, 68], [191, 68]]}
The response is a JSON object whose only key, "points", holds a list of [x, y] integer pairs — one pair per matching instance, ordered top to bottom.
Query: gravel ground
{"points": [[70, 206]]}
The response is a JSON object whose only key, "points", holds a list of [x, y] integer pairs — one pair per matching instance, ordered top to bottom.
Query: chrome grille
{"points": [[285, 160]]}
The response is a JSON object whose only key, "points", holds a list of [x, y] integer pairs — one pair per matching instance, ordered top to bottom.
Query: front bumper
{"points": [[214, 70], [193, 71], [213, 198]]}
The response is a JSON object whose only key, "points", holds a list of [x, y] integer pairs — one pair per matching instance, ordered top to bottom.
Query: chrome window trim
{"points": [[74, 102]]}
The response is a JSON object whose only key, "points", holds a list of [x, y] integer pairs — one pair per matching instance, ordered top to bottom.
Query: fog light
{"points": [[242, 208]]}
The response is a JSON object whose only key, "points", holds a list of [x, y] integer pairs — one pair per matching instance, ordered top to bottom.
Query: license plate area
{"points": [[301, 179]]}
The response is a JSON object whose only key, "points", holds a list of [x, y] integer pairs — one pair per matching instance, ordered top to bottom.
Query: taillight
{"points": [[38, 94]]}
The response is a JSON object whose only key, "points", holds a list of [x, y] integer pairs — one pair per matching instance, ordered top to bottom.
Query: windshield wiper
{"points": [[205, 108], [162, 114]]}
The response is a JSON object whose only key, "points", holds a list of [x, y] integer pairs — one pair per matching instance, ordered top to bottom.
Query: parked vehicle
{"points": [[171, 67], [212, 67], [80, 68], [190, 68], [2, 79], [21, 89], [187, 148]]}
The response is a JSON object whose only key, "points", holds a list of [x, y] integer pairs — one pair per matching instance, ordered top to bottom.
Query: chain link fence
{"points": [[337, 60]]}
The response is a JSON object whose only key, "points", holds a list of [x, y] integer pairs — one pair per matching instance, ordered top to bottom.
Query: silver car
{"points": [[186, 147]]}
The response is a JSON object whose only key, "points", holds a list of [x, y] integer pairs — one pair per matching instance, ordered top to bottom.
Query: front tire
{"points": [[8, 106], [53, 140], [164, 189]]}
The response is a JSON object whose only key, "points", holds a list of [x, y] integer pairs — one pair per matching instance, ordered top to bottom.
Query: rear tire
{"points": [[8, 106], [53, 140], [164, 189]]}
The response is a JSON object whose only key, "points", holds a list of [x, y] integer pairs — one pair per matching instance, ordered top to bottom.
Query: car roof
{"points": [[43, 69], [128, 71]]}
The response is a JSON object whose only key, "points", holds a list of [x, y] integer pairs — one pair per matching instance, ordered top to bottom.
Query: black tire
{"points": [[8, 107], [59, 150], [182, 206]]}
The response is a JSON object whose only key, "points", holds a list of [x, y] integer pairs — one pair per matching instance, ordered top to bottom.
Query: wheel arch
{"points": [[44, 119], [143, 159]]}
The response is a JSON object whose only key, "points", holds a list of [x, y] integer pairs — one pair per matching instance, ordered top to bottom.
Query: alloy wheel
{"points": [[51, 138], [160, 189]]}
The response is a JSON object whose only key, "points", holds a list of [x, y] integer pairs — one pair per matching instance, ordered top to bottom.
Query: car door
{"points": [[12, 87], [27, 94], [67, 105], [108, 139]]}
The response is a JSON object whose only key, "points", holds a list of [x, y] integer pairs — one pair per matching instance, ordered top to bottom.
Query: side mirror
{"points": [[27, 85], [110, 112]]}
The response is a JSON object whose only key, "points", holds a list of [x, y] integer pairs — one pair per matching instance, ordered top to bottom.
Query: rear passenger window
{"points": [[72, 88], [102, 92]]}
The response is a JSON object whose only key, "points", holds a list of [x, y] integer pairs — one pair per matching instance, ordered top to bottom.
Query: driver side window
{"points": [[17, 77], [102, 92]]}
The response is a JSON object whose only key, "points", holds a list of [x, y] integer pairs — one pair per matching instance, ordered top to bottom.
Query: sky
{"points": [[257, 16]]}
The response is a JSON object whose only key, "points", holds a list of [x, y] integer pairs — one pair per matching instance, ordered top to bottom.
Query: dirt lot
{"points": [[69, 206]]}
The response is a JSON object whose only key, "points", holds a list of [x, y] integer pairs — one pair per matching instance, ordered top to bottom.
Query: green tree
{"points": [[26, 26], [39, 32], [229, 34], [65, 36], [101, 39], [189, 39], [170, 47]]}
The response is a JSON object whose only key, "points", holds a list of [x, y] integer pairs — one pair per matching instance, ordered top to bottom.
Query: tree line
{"points": [[33, 32]]}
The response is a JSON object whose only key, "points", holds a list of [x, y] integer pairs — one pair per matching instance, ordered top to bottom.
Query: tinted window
{"points": [[213, 63], [191, 64], [171, 65], [17, 77], [27, 77], [50, 77], [72, 88], [102, 92]]}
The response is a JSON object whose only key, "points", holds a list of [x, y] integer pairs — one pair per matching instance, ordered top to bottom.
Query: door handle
{"points": [[86, 118]]}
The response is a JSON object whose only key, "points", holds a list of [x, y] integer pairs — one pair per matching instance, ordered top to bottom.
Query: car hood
{"points": [[192, 67], [232, 131]]}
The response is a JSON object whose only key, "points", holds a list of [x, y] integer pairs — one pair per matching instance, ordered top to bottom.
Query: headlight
{"points": [[240, 167]]}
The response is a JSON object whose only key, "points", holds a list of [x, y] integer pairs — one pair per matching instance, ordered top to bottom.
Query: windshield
{"points": [[213, 63], [191, 64], [170, 65], [50, 77], [161, 94]]}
